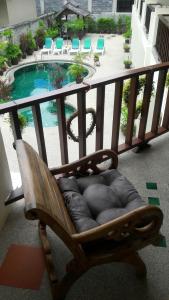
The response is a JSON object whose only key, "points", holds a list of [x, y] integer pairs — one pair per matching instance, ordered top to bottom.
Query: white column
{"points": [[90, 5], [114, 6], [42, 7], [5, 183]]}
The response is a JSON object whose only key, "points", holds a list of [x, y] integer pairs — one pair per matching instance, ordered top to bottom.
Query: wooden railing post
{"points": [[158, 100], [60, 102], [81, 105], [145, 105], [131, 110], [116, 115], [100, 116], [165, 123], [15, 124], [39, 131]]}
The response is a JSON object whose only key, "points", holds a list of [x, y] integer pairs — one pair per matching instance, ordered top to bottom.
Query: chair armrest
{"points": [[89, 162], [126, 225]]}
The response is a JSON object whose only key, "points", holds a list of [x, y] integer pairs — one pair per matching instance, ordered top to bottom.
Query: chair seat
{"points": [[97, 199]]}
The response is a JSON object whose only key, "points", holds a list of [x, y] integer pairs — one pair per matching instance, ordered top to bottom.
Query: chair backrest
{"points": [[48, 42], [59, 43], [75, 43], [87, 43], [100, 43], [43, 199]]}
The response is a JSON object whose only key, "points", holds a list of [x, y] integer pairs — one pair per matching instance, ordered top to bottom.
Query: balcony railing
{"points": [[141, 7], [149, 10], [162, 40], [157, 127]]}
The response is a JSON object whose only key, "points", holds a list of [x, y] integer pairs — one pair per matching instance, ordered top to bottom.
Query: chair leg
{"points": [[135, 260], [62, 287], [59, 288]]}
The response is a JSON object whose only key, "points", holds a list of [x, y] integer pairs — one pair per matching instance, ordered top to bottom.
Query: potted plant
{"points": [[119, 25], [76, 28], [52, 32], [8, 33], [127, 36], [40, 37], [23, 44], [31, 45], [126, 48], [13, 53], [96, 60], [127, 63], [2, 64], [77, 70], [5, 92], [126, 99], [124, 119]]}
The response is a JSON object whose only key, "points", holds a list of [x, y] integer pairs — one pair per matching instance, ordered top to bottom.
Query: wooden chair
{"points": [[120, 238]]}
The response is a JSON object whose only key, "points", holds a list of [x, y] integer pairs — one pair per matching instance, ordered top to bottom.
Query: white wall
{"points": [[21, 10], [3, 13], [142, 44], [5, 183]]}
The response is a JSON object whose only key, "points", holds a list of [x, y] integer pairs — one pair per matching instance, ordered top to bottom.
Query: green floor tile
{"points": [[151, 185], [153, 201], [162, 242]]}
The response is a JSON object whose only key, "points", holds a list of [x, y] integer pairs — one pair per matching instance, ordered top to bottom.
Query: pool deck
{"points": [[110, 63]]}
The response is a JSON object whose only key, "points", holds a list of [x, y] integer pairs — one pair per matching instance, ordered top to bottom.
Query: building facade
{"points": [[96, 7], [16, 11], [150, 32]]}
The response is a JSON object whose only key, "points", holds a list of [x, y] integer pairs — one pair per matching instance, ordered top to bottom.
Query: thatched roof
{"points": [[73, 8]]}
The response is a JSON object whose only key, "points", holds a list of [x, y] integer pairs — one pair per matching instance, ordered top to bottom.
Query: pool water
{"points": [[37, 79]]}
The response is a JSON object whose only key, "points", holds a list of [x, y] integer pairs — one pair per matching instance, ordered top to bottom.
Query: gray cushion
{"points": [[98, 199]]}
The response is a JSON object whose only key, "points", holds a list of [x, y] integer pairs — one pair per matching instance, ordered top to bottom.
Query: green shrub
{"points": [[127, 23], [75, 25], [90, 25], [106, 25], [119, 25], [52, 32], [8, 33], [127, 34], [40, 37], [23, 43], [31, 44], [3, 46], [13, 53], [3, 60], [77, 70], [167, 80], [140, 88], [5, 90], [23, 122]]}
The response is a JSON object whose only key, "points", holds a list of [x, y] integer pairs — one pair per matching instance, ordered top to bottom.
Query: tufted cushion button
{"points": [[100, 197]]}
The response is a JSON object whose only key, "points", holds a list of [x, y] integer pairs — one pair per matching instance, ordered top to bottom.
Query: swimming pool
{"points": [[37, 78]]}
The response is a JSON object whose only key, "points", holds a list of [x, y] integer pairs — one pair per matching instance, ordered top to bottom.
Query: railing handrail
{"points": [[75, 88]]}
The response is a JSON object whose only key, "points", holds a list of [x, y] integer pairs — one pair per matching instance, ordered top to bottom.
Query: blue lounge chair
{"points": [[58, 46], [86, 46], [48, 47], [75, 48], [100, 48]]}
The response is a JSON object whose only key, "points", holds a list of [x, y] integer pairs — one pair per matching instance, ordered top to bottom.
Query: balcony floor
{"points": [[113, 281]]}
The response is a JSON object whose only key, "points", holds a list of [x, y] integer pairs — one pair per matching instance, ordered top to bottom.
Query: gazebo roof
{"points": [[73, 8]]}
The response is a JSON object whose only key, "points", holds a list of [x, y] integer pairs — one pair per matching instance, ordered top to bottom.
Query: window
{"points": [[124, 5]]}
